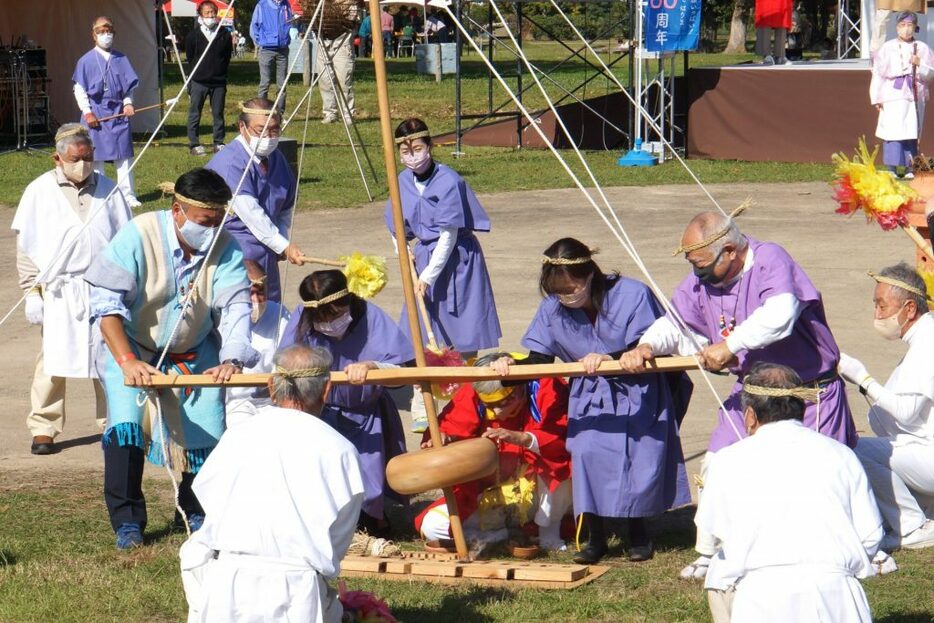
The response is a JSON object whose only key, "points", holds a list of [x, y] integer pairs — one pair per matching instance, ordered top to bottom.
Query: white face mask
{"points": [[209, 22], [105, 40], [264, 146], [417, 161], [77, 172], [196, 236], [579, 298], [335, 328], [889, 328]]}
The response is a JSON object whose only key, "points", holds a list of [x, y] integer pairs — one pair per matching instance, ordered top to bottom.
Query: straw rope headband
{"points": [[258, 111], [72, 132], [413, 136], [168, 188], [709, 240], [570, 261], [261, 281], [899, 284], [328, 299], [300, 373], [808, 394]]}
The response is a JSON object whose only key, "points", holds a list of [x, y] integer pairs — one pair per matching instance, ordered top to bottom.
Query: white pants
{"points": [[878, 29], [340, 51], [125, 180], [902, 479], [552, 506], [705, 544], [253, 589], [799, 593]]}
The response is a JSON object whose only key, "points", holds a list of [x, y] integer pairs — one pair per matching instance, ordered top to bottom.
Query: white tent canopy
{"points": [[63, 28]]}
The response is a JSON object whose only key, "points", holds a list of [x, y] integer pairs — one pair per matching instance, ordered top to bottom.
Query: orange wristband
{"points": [[122, 359]]}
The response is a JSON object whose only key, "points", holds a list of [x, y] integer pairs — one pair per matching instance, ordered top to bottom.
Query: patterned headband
{"points": [[258, 111], [72, 132], [413, 136], [198, 204], [709, 240], [570, 261], [899, 284], [328, 299], [300, 373], [808, 394]]}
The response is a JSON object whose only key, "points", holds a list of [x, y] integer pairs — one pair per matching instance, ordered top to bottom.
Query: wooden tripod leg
{"points": [[919, 241], [405, 267]]}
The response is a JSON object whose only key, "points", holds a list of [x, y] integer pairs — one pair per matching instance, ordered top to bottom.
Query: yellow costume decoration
{"points": [[507, 504]]}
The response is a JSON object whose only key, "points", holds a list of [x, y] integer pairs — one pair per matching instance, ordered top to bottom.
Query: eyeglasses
{"points": [[270, 132]]}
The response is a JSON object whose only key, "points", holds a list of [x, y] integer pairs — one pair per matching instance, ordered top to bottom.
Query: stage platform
{"points": [[802, 112]]}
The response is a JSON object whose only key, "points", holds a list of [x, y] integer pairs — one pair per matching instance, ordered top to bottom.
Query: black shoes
{"points": [[42, 445], [591, 554]]}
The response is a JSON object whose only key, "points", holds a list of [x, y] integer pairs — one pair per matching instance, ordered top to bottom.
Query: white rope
{"points": [[638, 105], [619, 235], [66, 248]]}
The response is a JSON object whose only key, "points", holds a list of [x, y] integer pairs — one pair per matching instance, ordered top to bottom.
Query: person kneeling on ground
{"points": [[528, 422], [282, 492], [792, 512]]}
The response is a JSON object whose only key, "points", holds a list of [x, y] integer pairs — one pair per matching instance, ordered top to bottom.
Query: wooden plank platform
{"points": [[504, 573]]}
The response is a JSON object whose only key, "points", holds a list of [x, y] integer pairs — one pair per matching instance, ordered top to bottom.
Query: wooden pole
{"points": [[138, 110], [919, 241], [408, 289], [410, 376]]}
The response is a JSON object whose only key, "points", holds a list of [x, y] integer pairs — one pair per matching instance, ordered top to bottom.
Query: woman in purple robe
{"points": [[442, 213], [360, 337], [626, 459]]}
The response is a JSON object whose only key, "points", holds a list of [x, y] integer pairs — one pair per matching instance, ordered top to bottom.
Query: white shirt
{"points": [[271, 234], [772, 321], [264, 336], [904, 406], [281, 485], [788, 496]]}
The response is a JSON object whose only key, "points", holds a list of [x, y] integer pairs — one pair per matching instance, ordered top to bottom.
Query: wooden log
{"points": [[440, 374], [437, 468]]}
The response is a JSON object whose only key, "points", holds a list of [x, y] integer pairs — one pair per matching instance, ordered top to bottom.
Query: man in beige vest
{"points": [[65, 218], [171, 295]]}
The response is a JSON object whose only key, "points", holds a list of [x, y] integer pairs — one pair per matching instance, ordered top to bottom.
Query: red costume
{"points": [[773, 14], [545, 417]]}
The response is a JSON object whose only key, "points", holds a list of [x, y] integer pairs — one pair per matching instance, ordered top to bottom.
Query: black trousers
{"points": [[199, 94], [123, 486]]}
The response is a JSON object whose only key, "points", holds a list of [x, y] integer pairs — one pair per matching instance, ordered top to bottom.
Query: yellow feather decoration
{"points": [[366, 274]]}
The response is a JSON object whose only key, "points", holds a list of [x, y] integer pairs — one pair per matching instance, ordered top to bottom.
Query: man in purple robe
{"points": [[104, 81], [264, 202], [746, 302]]}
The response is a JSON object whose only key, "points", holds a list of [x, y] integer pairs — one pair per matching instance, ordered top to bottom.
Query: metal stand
{"points": [[849, 33], [23, 80]]}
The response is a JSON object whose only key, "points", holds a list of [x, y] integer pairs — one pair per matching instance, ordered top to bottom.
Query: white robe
{"points": [[46, 223], [243, 402], [281, 493], [797, 524]]}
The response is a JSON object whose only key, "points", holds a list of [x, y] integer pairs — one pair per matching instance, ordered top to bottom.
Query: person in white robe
{"points": [[901, 71], [65, 218], [268, 321], [900, 458], [281, 492], [792, 512]]}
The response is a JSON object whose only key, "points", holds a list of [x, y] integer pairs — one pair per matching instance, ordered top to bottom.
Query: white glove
{"points": [[34, 309], [852, 370]]}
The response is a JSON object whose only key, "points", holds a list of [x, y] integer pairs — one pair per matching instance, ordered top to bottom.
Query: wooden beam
{"points": [[411, 376]]}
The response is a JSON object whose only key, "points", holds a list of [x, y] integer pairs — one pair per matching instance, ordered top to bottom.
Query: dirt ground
{"points": [[835, 252]]}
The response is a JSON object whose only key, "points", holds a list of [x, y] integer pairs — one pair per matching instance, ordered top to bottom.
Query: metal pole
{"points": [[458, 44], [489, 54]]}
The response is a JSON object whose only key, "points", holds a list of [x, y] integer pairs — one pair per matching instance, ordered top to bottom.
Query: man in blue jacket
{"points": [[269, 29]]}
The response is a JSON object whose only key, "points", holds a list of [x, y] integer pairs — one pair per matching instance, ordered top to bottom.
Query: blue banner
{"points": [[672, 25]]}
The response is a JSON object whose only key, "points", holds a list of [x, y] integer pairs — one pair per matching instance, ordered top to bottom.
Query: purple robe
{"points": [[108, 83], [275, 192], [460, 303], [810, 350], [364, 414], [626, 458]]}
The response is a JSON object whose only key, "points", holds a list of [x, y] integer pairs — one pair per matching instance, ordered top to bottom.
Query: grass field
{"points": [[330, 179], [58, 563]]}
